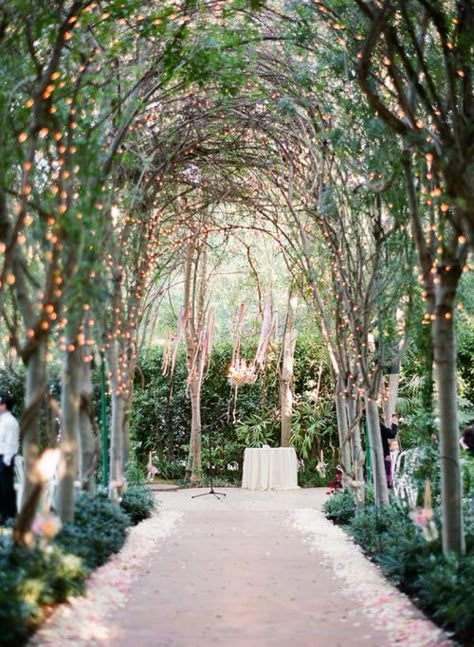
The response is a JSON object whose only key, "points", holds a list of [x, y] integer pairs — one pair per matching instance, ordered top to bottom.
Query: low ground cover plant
{"points": [[231, 422], [138, 502], [340, 508], [99, 529], [32, 580], [439, 585]]}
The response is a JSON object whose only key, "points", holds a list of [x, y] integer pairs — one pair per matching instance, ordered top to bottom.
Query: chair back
{"points": [[19, 478]]}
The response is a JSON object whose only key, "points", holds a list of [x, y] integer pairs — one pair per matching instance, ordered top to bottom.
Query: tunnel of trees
{"points": [[285, 188]]}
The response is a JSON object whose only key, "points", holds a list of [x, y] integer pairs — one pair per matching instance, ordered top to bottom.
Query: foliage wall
{"points": [[160, 419]]}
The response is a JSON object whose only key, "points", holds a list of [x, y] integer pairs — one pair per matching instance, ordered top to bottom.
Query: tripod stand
{"points": [[218, 495]]}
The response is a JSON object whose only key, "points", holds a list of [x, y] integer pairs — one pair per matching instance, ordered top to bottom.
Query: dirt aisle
{"points": [[254, 569], [237, 572]]}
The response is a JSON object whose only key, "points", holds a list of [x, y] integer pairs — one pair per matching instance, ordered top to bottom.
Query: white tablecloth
{"points": [[270, 468]]}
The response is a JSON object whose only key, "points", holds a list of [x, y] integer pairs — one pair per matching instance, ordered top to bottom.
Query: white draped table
{"points": [[270, 468]]}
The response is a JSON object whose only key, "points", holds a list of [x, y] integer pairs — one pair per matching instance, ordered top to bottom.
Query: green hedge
{"points": [[160, 419], [138, 502], [340, 508], [99, 529], [33, 579], [441, 586]]}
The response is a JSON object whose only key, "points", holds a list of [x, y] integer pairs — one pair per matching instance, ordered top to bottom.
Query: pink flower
{"points": [[152, 471], [116, 485], [421, 517], [46, 526]]}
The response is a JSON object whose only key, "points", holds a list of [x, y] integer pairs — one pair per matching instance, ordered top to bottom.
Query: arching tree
{"points": [[414, 64]]}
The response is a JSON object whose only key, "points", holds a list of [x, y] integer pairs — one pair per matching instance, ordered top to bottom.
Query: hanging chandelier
{"points": [[241, 371]]}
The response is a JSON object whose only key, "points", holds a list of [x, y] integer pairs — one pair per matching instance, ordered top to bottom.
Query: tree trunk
{"points": [[442, 291], [444, 348], [196, 353], [286, 378], [427, 385], [35, 389], [128, 402], [70, 403], [390, 403], [286, 411], [126, 436], [87, 439], [196, 440], [116, 442], [357, 452], [376, 452], [345, 458], [189, 460], [116, 475], [22, 535]]}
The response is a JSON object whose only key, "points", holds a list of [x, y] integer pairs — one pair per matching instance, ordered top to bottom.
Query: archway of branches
{"points": [[215, 123]]}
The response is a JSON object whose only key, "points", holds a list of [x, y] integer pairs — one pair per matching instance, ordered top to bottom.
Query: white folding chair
{"points": [[19, 478], [404, 484]]}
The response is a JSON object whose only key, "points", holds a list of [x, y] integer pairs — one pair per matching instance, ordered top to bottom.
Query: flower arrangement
{"points": [[241, 372], [321, 465], [151, 470], [115, 490], [423, 517], [46, 526]]}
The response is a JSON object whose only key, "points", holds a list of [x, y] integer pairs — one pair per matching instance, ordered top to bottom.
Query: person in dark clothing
{"points": [[388, 433], [467, 439]]}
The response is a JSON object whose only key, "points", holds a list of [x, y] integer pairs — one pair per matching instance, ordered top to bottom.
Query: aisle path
{"points": [[254, 569]]}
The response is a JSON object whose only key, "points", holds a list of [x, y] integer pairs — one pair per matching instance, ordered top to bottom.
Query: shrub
{"points": [[161, 408], [313, 428], [258, 430], [223, 459], [467, 467], [170, 470], [135, 473], [310, 476], [138, 502], [340, 508], [468, 508], [99, 529], [31, 579], [439, 585], [444, 588]]}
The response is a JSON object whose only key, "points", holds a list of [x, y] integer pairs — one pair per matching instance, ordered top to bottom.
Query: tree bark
{"points": [[441, 290], [196, 338], [444, 349], [286, 378], [35, 389], [70, 403], [390, 403], [126, 436], [87, 439], [196, 440], [116, 442], [376, 452], [358, 454], [345, 457], [116, 474]]}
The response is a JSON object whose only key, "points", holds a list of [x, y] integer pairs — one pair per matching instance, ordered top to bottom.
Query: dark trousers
{"points": [[388, 470], [7, 491]]}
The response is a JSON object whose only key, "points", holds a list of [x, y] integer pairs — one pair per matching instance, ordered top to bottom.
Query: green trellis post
{"points": [[103, 411], [368, 455]]}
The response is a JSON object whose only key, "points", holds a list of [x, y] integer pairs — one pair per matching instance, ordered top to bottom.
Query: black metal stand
{"points": [[218, 495]]}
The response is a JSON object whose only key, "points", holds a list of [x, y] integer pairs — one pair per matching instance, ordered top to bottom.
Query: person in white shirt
{"points": [[9, 445]]}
